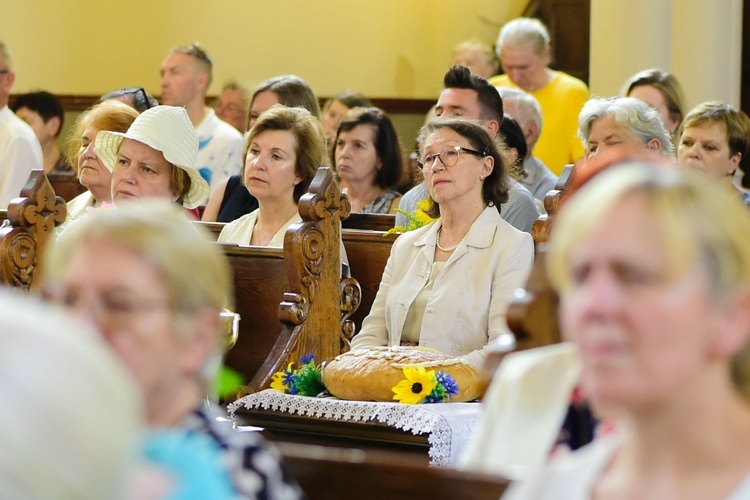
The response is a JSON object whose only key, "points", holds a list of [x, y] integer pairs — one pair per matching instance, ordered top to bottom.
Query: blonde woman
{"points": [[92, 173], [652, 265]]}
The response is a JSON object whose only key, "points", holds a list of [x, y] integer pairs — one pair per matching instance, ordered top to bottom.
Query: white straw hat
{"points": [[167, 129]]}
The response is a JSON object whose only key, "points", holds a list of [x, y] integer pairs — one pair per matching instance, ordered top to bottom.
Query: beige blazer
{"points": [[240, 230], [470, 296]]}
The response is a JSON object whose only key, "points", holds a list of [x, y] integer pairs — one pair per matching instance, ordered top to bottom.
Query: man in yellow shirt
{"points": [[524, 52]]}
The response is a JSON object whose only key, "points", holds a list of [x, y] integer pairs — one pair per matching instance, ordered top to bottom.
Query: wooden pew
{"points": [[65, 184], [552, 201], [372, 222], [375, 222], [30, 223], [213, 228], [367, 251], [260, 281], [300, 284], [532, 315], [336, 473]]}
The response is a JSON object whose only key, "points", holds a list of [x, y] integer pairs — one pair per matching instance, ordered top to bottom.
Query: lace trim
{"points": [[448, 425]]}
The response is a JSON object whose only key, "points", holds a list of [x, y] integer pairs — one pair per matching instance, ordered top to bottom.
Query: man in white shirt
{"points": [[185, 78], [20, 151]]}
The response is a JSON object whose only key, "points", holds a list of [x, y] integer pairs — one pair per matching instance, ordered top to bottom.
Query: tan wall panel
{"points": [[698, 41], [384, 48]]}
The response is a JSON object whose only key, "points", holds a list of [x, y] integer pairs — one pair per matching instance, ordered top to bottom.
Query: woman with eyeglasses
{"points": [[92, 173], [148, 281], [447, 285]]}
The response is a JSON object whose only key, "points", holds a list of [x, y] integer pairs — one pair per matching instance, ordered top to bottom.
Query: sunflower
{"points": [[420, 214], [414, 220], [283, 381], [419, 384]]}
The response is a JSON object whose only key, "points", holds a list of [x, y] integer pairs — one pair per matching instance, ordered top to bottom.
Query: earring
{"points": [[481, 177]]}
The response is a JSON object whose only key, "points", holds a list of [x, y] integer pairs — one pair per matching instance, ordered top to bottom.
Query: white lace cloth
{"points": [[448, 425]]}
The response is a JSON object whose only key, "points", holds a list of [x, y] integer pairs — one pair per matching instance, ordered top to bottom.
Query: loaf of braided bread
{"points": [[370, 374]]}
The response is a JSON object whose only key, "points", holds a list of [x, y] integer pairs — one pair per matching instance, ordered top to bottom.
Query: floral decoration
{"points": [[415, 220], [305, 380], [424, 386]]}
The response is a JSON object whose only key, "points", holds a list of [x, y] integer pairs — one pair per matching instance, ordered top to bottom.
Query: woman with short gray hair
{"points": [[621, 122]]}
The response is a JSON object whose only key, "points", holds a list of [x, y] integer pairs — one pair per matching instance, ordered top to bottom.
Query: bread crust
{"points": [[370, 374]]}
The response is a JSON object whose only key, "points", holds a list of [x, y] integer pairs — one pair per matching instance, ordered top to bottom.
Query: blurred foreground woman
{"points": [[653, 269]]}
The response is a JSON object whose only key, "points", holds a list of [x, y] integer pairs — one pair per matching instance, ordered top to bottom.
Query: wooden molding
{"points": [[389, 105]]}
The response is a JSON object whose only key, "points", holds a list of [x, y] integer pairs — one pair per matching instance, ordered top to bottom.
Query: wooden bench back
{"points": [[66, 184], [31, 221], [375, 222], [367, 251], [260, 281], [293, 301], [316, 309], [532, 316], [324, 473]]}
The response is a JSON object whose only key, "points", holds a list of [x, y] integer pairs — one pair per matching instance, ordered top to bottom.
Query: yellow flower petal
{"points": [[424, 205], [422, 217], [279, 378], [278, 382], [418, 384]]}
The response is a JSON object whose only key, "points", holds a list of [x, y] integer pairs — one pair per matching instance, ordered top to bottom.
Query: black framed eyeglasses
{"points": [[139, 95], [448, 156]]}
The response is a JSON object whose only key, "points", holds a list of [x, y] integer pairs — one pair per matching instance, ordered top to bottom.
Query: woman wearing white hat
{"points": [[283, 151], [155, 158]]}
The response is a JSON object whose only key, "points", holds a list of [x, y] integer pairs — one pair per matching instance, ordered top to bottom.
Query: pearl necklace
{"points": [[446, 249]]}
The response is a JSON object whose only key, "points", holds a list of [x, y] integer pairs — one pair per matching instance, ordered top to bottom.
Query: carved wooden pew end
{"points": [[31, 220]]}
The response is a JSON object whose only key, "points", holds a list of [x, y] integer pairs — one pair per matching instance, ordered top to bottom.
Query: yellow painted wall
{"points": [[383, 48]]}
